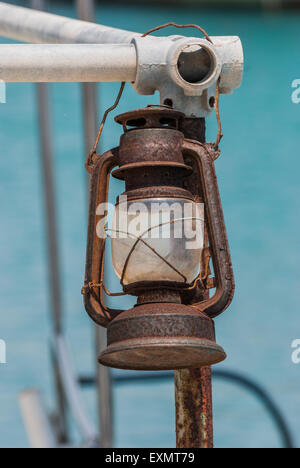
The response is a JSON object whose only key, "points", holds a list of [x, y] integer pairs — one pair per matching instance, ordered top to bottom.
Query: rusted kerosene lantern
{"points": [[159, 247]]}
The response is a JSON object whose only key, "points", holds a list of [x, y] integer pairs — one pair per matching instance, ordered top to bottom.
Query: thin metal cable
{"points": [[163, 26], [90, 159]]}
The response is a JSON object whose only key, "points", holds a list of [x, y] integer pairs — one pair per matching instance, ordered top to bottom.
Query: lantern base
{"points": [[161, 337]]}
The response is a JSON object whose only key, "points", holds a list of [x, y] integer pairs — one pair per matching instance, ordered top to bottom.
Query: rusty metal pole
{"points": [[86, 12], [193, 387], [193, 396]]}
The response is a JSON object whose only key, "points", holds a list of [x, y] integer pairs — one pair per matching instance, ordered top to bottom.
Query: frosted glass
{"points": [[169, 228]]}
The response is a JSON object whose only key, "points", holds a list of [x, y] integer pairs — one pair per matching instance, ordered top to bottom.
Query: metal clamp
{"points": [[186, 70]]}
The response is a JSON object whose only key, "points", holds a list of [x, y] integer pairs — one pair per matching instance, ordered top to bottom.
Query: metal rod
{"points": [[86, 12], [25, 25], [67, 62], [50, 209], [51, 230], [52, 244], [193, 387], [193, 408], [38, 425]]}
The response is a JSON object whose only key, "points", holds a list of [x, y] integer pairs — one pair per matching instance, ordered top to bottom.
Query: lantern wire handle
{"points": [[163, 26], [211, 146], [90, 159]]}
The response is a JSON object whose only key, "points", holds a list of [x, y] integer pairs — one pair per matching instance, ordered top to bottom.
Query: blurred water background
{"points": [[259, 181]]}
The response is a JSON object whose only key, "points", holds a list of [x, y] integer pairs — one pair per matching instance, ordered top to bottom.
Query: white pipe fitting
{"points": [[182, 69], [188, 80]]}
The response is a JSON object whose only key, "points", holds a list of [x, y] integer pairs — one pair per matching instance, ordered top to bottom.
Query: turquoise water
{"points": [[259, 181]]}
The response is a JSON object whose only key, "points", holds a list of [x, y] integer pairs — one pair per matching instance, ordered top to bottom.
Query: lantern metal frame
{"points": [[219, 248], [150, 323]]}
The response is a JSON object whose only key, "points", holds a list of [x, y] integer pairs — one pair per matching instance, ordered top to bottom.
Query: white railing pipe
{"points": [[67, 63]]}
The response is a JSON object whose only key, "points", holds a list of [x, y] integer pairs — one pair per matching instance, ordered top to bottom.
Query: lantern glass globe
{"points": [[157, 240]]}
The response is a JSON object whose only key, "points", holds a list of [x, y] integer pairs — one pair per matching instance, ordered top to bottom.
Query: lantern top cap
{"points": [[151, 116]]}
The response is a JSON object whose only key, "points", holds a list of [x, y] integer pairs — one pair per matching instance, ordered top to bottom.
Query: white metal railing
{"points": [[26, 25], [68, 63], [186, 71]]}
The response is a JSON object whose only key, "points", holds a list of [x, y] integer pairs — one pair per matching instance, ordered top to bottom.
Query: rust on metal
{"points": [[150, 117], [193, 129], [152, 149], [220, 252], [159, 296], [93, 299], [171, 326], [161, 336], [193, 387], [193, 396]]}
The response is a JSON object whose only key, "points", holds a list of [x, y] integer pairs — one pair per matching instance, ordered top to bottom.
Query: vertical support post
{"points": [[86, 12], [52, 241], [193, 387], [193, 395]]}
